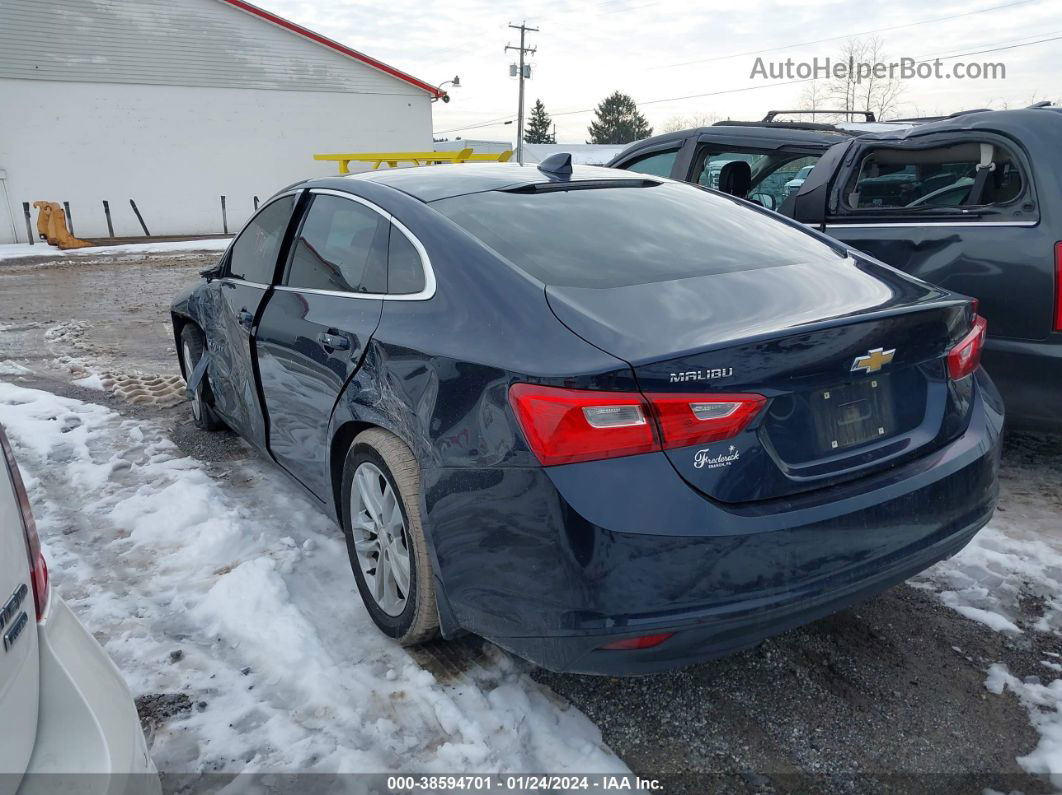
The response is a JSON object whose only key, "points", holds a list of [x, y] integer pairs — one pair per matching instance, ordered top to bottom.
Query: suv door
{"points": [[774, 155], [669, 157], [957, 209], [247, 273], [315, 328], [19, 663]]}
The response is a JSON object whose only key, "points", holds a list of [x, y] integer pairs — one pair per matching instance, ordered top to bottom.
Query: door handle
{"points": [[245, 318], [333, 342]]}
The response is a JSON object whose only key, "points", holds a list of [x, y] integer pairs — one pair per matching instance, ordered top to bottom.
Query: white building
{"points": [[176, 103], [478, 146], [582, 154]]}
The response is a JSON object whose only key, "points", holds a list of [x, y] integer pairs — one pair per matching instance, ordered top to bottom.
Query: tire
{"points": [[203, 402], [377, 464]]}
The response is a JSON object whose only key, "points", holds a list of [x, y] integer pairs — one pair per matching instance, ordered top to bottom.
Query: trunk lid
{"points": [[849, 353]]}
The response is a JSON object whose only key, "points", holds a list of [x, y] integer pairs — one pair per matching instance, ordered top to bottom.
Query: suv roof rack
{"points": [[868, 115], [920, 119], [785, 125]]}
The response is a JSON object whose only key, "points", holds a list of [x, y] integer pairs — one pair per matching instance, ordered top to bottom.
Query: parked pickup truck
{"points": [[971, 202]]}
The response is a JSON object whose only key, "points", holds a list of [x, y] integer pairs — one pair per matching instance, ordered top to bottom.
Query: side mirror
{"points": [[214, 271]]}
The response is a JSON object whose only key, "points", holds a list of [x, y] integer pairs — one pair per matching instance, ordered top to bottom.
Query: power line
{"points": [[846, 35], [1000, 48], [994, 49], [808, 80], [488, 123]]}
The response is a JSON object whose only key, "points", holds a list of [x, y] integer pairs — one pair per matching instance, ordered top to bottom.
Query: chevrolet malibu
{"points": [[614, 423], [69, 720]]}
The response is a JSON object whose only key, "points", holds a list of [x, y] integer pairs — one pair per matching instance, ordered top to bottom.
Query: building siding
{"points": [[184, 43], [173, 105], [176, 150]]}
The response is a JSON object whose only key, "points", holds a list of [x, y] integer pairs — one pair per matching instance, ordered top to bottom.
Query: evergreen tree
{"points": [[618, 121], [538, 126]]}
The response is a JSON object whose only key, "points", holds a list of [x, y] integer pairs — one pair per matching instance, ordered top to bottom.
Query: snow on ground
{"points": [[9, 251], [13, 368], [93, 381], [1007, 562], [1013, 563], [986, 581], [236, 591], [1044, 703]]}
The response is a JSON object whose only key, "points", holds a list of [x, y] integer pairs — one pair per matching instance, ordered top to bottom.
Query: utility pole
{"points": [[524, 29]]}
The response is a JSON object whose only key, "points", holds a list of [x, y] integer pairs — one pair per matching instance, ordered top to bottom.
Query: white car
{"points": [[793, 185], [69, 720]]}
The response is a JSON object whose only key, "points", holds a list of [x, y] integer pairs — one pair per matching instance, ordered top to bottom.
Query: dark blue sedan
{"points": [[612, 422]]}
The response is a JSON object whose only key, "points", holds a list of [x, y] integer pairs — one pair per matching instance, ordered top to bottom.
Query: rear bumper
{"points": [[1029, 376], [583, 555], [717, 632], [89, 738]]}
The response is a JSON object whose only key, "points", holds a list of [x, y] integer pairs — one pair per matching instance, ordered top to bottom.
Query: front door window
{"points": [[775, 175]]}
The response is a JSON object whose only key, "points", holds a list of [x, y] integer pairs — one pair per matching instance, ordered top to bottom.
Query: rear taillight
{"points": [[1058, 286], [964, 357], [698, 419], [565, 426], [38, 568]]}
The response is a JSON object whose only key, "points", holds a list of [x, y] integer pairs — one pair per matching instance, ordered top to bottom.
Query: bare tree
{"points": [[858, 90], [1036, 97], [811, 98], [1004, 103], [679, 122]]}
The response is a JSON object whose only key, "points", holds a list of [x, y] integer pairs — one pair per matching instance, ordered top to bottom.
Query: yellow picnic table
{"points": [[416, 158]]}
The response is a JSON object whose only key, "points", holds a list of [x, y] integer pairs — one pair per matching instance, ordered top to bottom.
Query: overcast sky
{"points": [[588, 49]]}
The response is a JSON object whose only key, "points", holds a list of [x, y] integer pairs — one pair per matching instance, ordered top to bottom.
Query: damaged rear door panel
{"points": [[347, 257], [240, 294]]}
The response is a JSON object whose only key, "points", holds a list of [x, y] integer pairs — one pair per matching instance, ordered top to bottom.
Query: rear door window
{"points": [[658, 164], [961, 175], [616, 236], [340, 248], [253, 257], [405, 268]]}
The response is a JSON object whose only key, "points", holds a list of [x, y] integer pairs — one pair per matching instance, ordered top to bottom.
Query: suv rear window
{"points": [[946, 176], [617, 236]]}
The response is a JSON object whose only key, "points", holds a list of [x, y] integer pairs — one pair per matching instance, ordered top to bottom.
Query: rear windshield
{"points": [[612, 237]]}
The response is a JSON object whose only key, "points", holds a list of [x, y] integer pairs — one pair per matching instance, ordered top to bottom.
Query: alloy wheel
{"points": [[189, 366], [380, 538]]}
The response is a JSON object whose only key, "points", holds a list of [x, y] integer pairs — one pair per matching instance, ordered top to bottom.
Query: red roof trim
{"points": [[334, 45]]}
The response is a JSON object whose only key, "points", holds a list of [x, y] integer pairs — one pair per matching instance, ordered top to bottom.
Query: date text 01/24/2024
{"points": [[521, 783]]}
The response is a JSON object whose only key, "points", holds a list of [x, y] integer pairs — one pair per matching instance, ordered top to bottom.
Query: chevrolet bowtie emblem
{"points": [[873, 361]]}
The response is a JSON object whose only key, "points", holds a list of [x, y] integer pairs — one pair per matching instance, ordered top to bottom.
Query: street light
{"points": [[455, 83]]}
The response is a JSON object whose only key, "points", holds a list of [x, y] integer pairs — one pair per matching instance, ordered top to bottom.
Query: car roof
{"points": [[1022, 123], [1025, 124], [769, 136], [444, 181]]}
